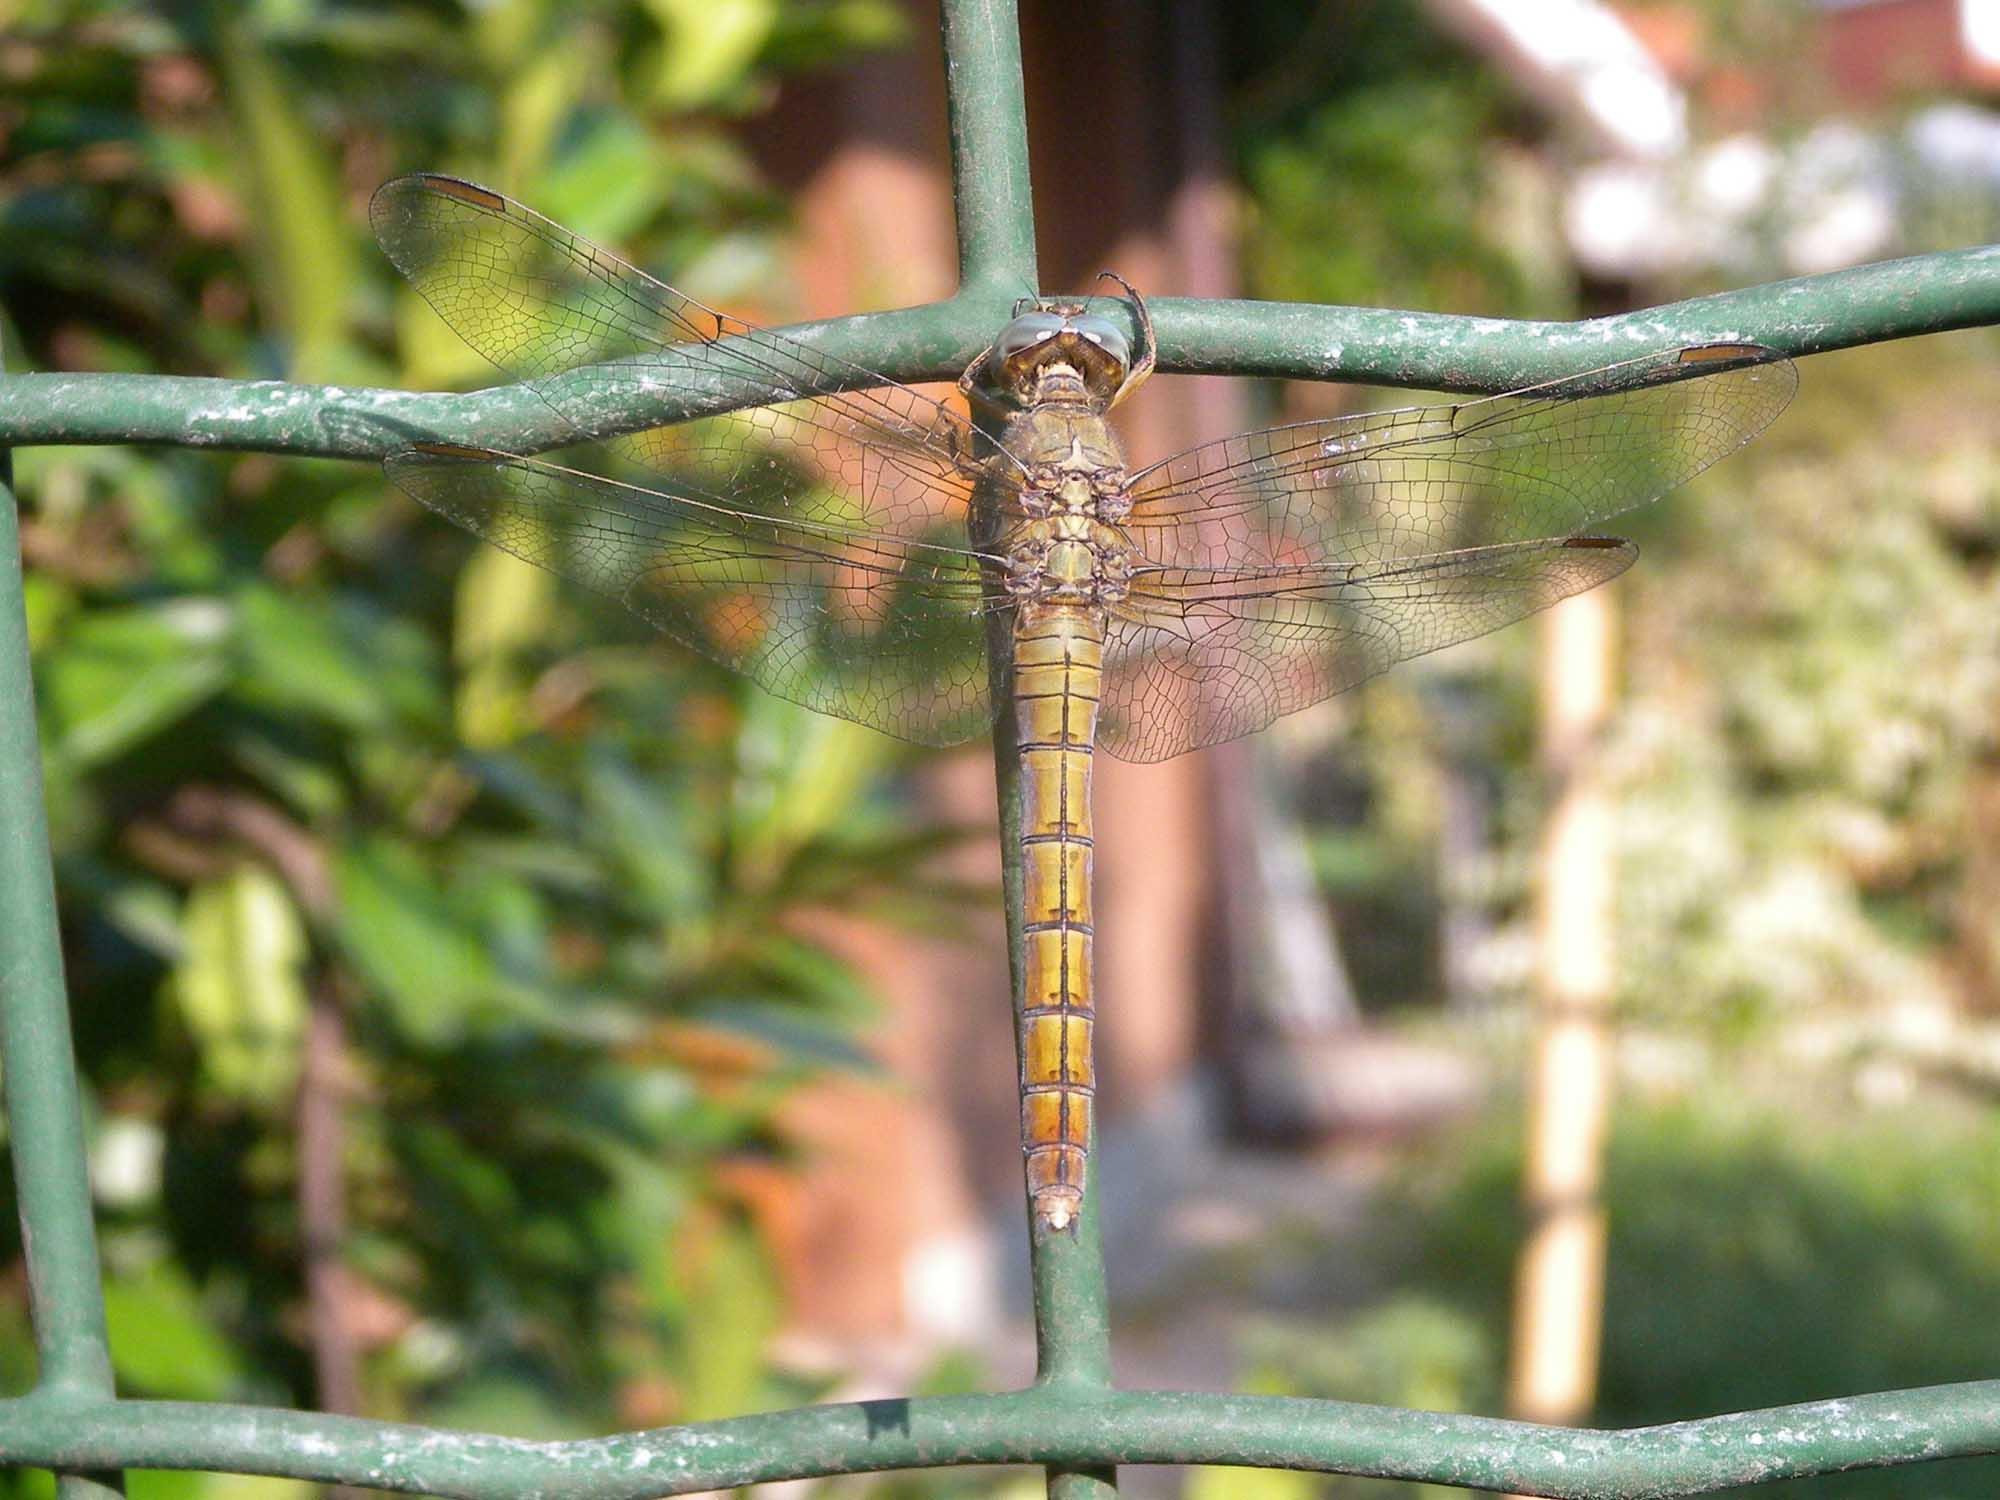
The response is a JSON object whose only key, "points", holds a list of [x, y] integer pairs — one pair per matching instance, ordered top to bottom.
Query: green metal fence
{"points": [[1071, 1420]]}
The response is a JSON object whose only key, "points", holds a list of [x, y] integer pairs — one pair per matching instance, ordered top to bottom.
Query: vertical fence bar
{"points": [[986, 99], [994, 202], [37, 1061]]}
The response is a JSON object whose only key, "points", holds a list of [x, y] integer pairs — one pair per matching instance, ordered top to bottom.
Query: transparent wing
{"points": [[539, 301], [823, 533], [1275, 568], [888, 632], [1206, 655]]}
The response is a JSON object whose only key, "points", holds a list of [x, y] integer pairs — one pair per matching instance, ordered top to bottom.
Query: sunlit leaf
{"points": [[807, 33], [710, 45], [535, 106], [606, 178], [310, 254], [47, 603], [504, 606], [801, 772], [147, 913], [240, 984], [735, 1310], [1216, 1482], [168, 1484], [253, 1487]]}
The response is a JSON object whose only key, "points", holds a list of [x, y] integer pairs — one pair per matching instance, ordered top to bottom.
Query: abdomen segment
{"points": [[1058, 670]]}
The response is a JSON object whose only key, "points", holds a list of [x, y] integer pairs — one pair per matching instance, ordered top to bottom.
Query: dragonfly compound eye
{"points": [[1027, 331], [1105, 334], [1093, 349]]}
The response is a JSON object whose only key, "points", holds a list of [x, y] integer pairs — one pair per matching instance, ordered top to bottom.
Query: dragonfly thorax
{"points": [[1069, 463], [1081, 484], [1067, 549], [1069, 559]]}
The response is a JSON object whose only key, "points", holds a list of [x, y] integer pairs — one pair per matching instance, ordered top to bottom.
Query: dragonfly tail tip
{"points": [[1058, 1208]]}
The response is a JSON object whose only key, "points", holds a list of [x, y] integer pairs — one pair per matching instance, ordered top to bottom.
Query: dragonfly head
{"points": [[1058, 346]]}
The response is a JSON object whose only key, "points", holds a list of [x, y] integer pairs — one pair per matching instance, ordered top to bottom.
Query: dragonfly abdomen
{"points": [[1058, 674]]}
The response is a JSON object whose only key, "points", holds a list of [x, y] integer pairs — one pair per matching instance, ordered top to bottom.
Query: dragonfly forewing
{"points": [[540, 301], [817, 542], [1275, 568]]}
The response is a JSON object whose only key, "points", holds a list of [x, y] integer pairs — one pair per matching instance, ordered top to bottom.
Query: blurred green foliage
{"points": [[1379, 164], [306, 747], [1805, 747], [1807, 755], [1806, 767], [1761, 1253]]}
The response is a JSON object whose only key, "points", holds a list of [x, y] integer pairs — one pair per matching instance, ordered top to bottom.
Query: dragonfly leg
{"points": [[1142, 365], [972, 386]]}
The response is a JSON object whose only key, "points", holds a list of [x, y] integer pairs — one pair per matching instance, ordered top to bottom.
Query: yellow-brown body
{"points": [[1068, 566], [1058, 661]]}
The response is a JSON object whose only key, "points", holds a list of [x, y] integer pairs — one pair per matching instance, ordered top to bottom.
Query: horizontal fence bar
{"points": [[1866, 304], [1811, 315], [365, 422], [1065, 1425]]}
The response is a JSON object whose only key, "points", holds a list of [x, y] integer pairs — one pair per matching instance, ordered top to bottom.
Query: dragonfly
{"points": [[868, 549]]}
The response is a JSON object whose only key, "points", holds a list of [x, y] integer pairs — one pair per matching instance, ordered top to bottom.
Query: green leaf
{"points": [[807, 35], [710, 47], [538, 101], [606, 184], [309, 253], [47, 603], [505, 606], [305, 654], [116, 678], [803, 774], [311, 788], [651, 838], [147, 913], [428, 958], [798, 968], [240, 984], [735, 1309], [162, 1343], [1217, 1482], [167, 1484], [251, 1487]]}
